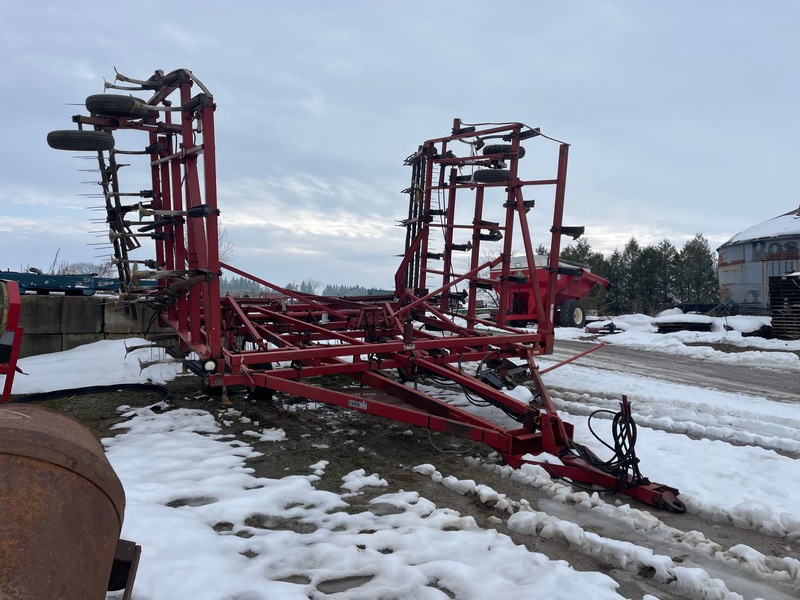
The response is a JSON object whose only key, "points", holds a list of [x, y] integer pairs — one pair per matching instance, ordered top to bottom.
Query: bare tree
{"points": [[225, 244], [54, 266], [64, 267], [105, 269]]}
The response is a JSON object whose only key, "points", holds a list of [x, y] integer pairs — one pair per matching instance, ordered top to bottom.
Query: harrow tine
{"points": [[124, 78], [203, 210], [116, 235], [147, 262], [129, 349], [146, 364]]}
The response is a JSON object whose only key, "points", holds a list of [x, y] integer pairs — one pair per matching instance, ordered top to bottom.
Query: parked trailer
{"points": [[573, 282], [41, 283], [80, 284]]}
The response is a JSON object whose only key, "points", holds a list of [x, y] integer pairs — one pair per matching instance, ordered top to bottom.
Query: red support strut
{"points": [[467, 203], [10, 333]]}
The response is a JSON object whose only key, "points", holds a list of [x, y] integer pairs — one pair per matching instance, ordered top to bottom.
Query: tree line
{"points": [[644, 279], [649, 279], [241, 286]]}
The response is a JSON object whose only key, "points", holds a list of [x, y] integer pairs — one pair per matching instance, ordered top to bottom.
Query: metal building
{"points": [[750, 258]]}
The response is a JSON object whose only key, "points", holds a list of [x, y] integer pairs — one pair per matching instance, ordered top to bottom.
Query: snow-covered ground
{"points": [[733, 456]]}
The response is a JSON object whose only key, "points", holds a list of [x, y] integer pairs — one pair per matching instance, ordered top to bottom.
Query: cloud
{"points": [[678, 123], [293, 226]]}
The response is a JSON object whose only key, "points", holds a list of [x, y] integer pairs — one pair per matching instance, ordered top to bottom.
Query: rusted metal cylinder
{"points": [[61, 507]]}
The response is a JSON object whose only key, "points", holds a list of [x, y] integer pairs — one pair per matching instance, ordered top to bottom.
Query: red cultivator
{"points": [[466, 202]]}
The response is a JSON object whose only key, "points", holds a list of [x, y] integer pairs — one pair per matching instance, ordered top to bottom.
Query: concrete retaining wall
{"points": [[56, 323]]}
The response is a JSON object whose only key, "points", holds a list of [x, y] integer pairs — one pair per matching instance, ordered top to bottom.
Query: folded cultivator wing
{"points": [[466, 207]]}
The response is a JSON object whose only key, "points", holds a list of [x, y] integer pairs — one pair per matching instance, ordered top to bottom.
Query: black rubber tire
{"points": [[116, 105], [80, 140], [501, 149], [491, 176], [573, 314], [260, 393]]}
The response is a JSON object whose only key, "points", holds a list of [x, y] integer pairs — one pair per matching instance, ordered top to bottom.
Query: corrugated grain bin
{"points": [[749, 259], [61, 507]]}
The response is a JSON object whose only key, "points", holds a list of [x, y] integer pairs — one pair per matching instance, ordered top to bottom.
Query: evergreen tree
{"points": [[579, 253], [582, 253], [616, 273], [667, 273], [643, 279], [698, 282], [645, 284], [240, 286], [309, 286], [627, 288], [331, 290]]}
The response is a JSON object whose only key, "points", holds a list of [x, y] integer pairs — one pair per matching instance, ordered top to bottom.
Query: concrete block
{"points": [[40, 314], [81, 314], [116, 319], [54, 323], [119, 336], [73, 340], [33, 344]]}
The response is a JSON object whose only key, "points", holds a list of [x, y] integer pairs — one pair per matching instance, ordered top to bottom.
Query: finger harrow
{"points": [[469, 208]]}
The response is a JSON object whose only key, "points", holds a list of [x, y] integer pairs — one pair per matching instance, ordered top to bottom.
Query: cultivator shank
{"points": [[466, 207]]}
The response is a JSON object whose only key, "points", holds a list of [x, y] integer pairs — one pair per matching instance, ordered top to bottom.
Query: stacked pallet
{"points": [[784, 295]]}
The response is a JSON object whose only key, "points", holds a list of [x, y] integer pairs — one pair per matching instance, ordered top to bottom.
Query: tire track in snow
{"points": [[775, 384], [733, 426], [686, 563]]}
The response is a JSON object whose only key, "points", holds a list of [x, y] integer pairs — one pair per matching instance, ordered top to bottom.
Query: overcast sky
{"points": [[682, 116]]}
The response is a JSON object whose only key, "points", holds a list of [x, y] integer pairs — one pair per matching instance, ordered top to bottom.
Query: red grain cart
{"points": [[574, 281]]}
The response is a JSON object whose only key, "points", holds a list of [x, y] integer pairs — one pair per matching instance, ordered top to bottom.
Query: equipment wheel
{"points": [[116, 105], [80, 140], [501, 149], [491, 176], [573, 314]]}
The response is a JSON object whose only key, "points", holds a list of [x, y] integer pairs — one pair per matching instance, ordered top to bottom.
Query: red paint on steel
{"points": [[431, 325], [10, 334], [572, 358]]}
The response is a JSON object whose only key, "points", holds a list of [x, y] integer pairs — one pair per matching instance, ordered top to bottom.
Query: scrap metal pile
{"points": [[431, 328]]}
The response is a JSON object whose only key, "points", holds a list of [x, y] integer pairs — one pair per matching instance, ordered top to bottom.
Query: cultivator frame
{"points": [[429, 329], [10, 334]]}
